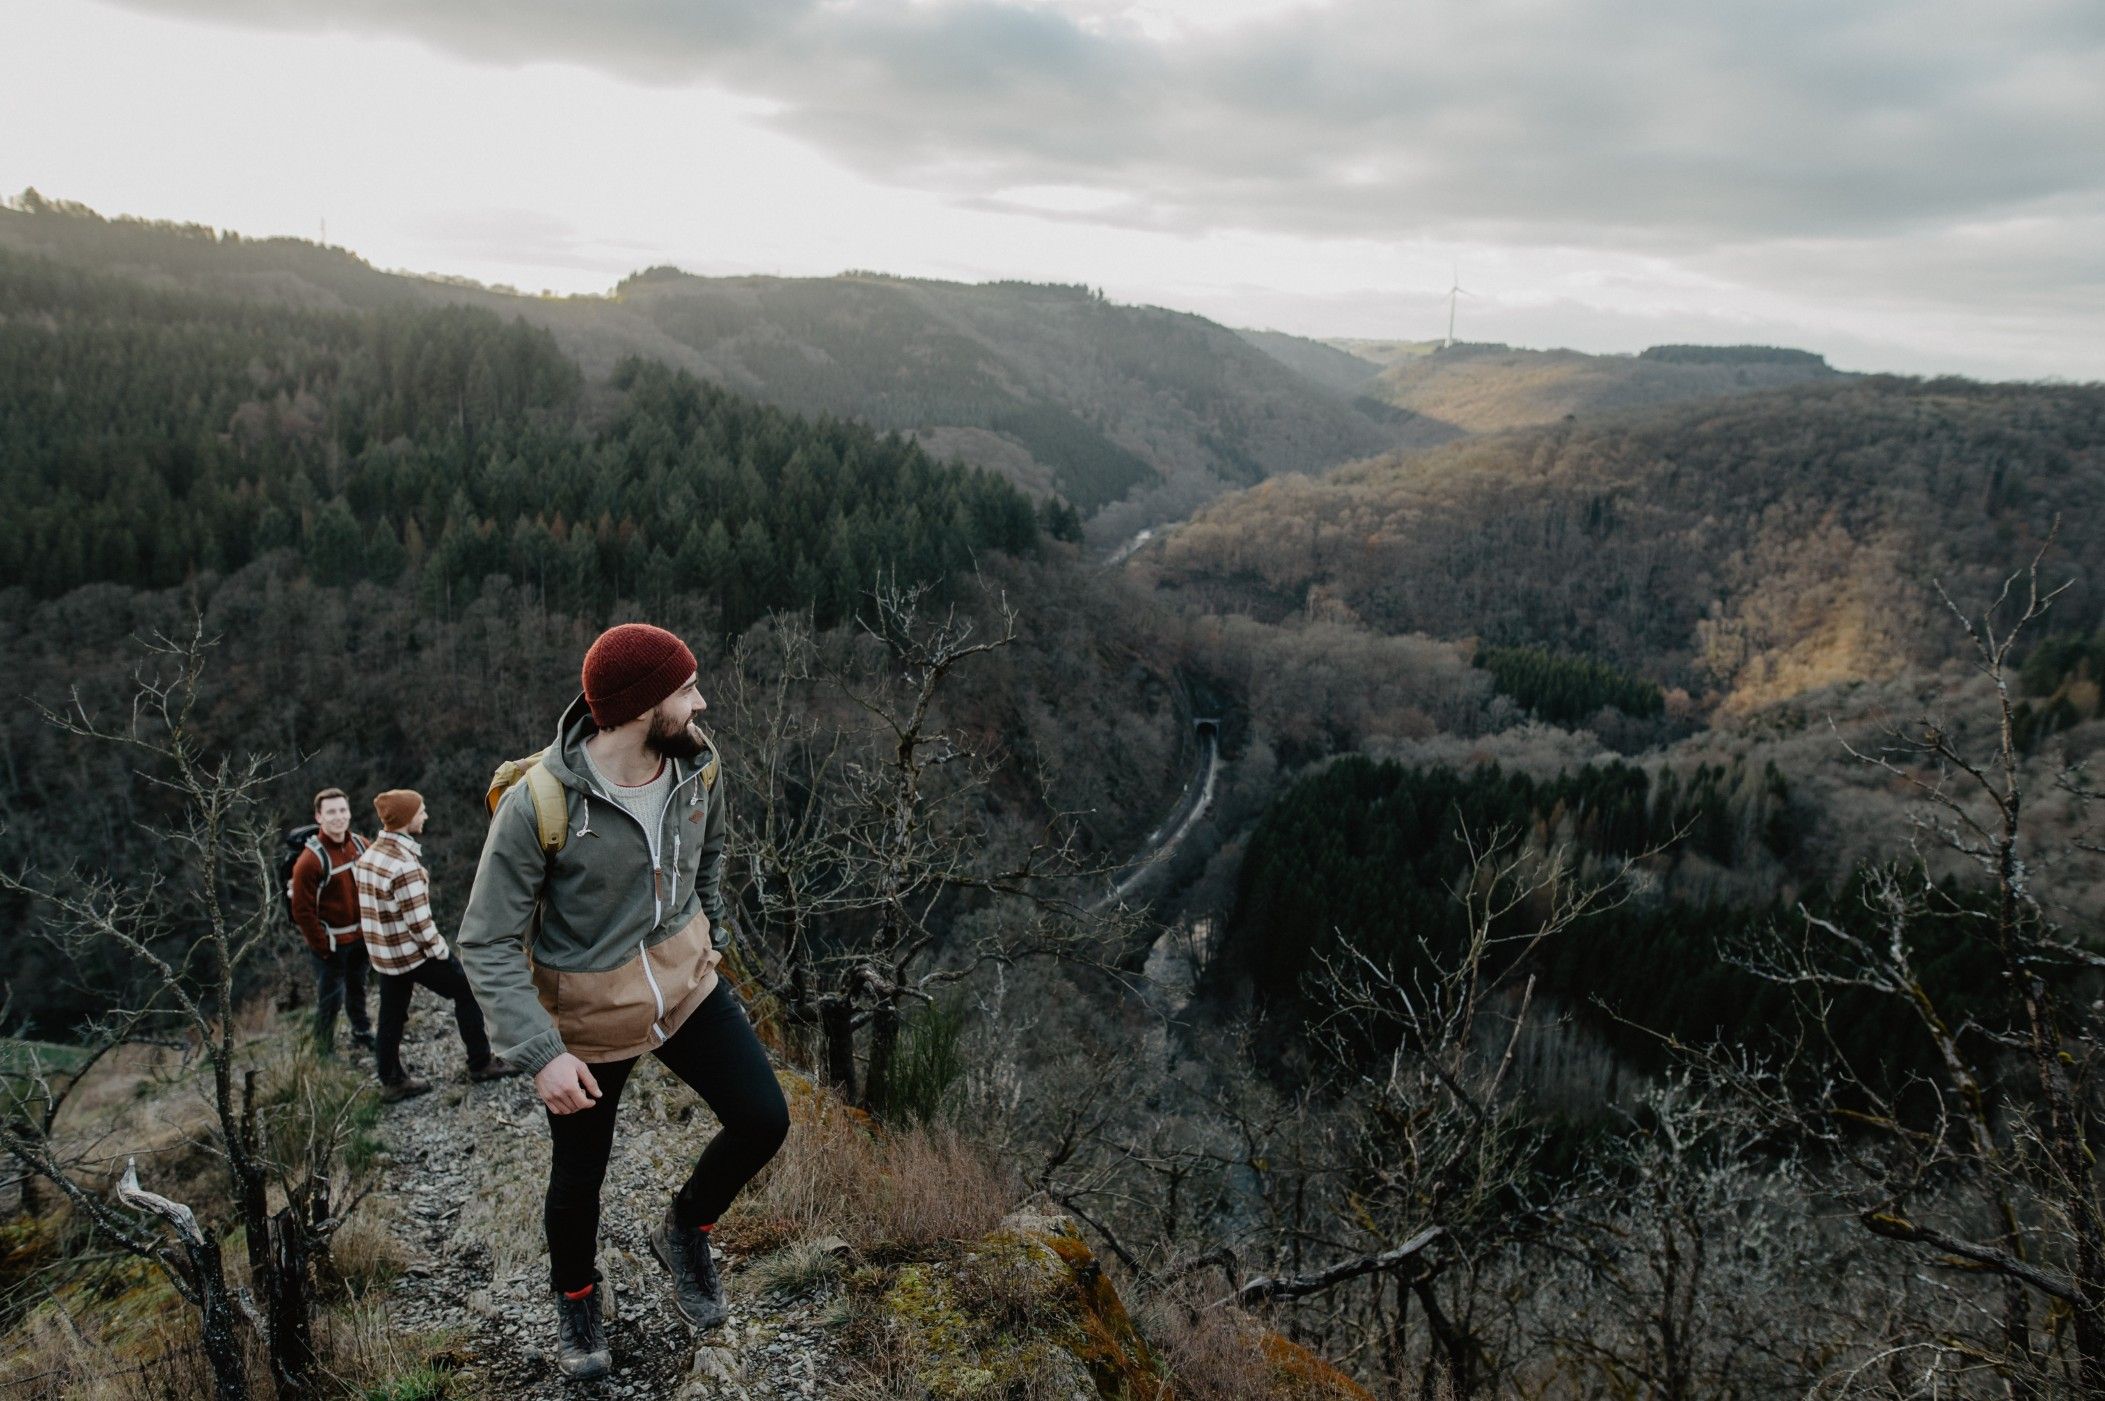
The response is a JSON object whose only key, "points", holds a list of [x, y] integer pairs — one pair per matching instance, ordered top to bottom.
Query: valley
{"points": [[1379, 795]]}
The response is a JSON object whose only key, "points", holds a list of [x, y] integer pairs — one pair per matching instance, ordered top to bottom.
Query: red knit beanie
{"points": [[630, 669]]}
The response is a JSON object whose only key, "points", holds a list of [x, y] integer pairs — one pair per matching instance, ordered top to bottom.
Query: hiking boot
{"points": [[363, 1040], [495, 1068], [408, 1087], [696, 1289], [581, 1338]]}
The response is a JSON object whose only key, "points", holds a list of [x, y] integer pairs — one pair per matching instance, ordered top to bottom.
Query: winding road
{"points": [[1198, 797]]}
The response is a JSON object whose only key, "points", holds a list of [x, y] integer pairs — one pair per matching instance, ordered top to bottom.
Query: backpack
{"points": [[551, 812], [306, 837]]}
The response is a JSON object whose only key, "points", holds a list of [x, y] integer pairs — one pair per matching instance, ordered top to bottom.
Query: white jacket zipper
{"points": [[650, 841]]}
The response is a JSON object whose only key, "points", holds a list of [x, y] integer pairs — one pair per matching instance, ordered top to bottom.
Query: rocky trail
{"points": [[465, 1170]]}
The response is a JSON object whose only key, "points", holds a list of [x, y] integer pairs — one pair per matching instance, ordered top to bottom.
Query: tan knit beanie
{"points": [[398, 807]]}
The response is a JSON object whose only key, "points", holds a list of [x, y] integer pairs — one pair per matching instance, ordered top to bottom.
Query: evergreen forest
{"points": [[152, 435]]}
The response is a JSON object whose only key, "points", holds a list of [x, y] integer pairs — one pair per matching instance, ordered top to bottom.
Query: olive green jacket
{"points": [[604, 947]]}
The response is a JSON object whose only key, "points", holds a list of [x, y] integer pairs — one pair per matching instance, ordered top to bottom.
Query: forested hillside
{"points": [[1058, 389], [1106, 400], [152, 435], [402, 526], [1751, 548], [1362, 859]]}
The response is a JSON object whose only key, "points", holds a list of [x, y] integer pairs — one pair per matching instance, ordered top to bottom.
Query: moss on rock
{"points": [[1026, 1312]]}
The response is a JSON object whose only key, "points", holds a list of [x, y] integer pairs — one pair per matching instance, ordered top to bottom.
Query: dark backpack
{"points": [[306, 837]]}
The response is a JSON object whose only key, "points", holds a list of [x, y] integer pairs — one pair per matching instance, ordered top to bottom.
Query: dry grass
{"points": [[143, 1101], [885, 1192], [367, 1254], [801, 1267], [112, 1328], [141, 1346], [1212, 1354], [368, 1355]]}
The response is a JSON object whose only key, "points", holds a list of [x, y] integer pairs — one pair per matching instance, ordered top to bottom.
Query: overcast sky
{"points": [[1916, 185]]}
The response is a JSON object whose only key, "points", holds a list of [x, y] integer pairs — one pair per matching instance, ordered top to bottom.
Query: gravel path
{"points": [[467, 1167]]}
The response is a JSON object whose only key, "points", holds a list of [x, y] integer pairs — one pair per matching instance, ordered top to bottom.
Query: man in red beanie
{"points": [[403, 944], [587, 955]]}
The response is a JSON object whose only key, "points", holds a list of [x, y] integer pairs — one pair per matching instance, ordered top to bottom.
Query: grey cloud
{"points": [[1647, 122]]}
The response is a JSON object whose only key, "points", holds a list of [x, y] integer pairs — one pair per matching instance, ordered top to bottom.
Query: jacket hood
{"points": [[566, 757]]}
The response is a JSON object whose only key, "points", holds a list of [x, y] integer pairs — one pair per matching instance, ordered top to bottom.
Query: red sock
{"points": [[706, 1227], [578, 1293]]}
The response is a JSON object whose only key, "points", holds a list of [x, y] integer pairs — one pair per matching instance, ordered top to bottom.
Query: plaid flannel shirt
{"points": [[394, 905]]}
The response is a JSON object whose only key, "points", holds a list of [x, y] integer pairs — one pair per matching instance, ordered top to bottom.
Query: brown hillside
{"points": [[1757, 546]]}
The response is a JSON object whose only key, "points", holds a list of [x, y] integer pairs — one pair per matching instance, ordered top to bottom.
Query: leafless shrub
{"points": [[190, 937]]}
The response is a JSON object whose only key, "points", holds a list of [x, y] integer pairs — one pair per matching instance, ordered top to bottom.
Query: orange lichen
{"points": [[811, 1102], [1117, 1357], [1301, 1374]]}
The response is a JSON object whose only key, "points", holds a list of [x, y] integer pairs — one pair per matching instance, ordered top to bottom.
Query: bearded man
{"points": [[589, 953]]}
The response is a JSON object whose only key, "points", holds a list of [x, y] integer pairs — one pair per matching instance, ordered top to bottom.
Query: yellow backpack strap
{"points": [[709, 770], [551, 809], [551, 812]]}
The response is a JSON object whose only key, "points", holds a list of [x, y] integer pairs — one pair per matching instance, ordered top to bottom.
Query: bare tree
{"points": [[868, 849], [193, 935], [1426, 1046], [1983, 1165], [1687, 1281]]}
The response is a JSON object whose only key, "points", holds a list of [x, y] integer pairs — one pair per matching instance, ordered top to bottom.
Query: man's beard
{"points": [[674, 740]]}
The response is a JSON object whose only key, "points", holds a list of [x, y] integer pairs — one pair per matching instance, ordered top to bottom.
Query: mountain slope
{"points": [[1337, 370], [1052, 386], [1108, 397], [1759, 545]]}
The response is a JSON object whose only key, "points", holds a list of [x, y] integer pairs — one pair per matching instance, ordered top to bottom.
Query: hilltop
{"points": [[1486, 388], [865, 1257]]}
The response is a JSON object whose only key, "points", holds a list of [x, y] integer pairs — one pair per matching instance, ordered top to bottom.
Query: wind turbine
{"points": [[1454, 289]]}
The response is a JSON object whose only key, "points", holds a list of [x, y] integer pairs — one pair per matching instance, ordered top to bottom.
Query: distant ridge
{"points": [[1733, 355], [1321, 361], [1054, 387], [1483, 387], [1136, 415]]}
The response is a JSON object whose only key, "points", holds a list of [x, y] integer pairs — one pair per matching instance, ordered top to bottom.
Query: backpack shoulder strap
{"points": [[713, 767], [551, 812]]}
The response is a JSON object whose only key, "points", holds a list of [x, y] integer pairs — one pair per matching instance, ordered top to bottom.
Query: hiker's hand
{"points": [[566, 1085]]}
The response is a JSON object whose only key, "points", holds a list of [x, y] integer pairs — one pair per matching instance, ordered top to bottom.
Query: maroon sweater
{"points": [[325, 904]]}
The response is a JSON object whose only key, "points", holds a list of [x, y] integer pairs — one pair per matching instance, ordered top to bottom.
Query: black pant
{"points": [[442, 976], [339, 987], [717, 1054]]}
